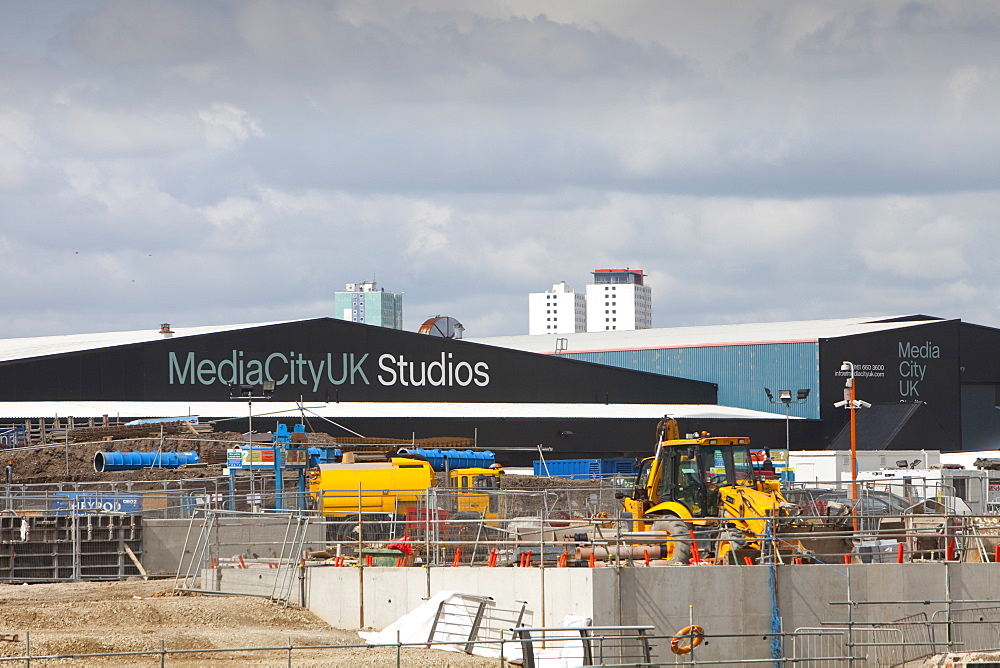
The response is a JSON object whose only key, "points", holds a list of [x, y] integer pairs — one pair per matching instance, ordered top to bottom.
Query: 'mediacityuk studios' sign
{"points": [[336, 369]]}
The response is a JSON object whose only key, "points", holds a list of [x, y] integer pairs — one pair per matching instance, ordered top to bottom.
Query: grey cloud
{"points": [[148, 34], [237, 161]]}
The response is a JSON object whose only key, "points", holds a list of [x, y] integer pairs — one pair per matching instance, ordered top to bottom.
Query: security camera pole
{"points": [[852, 404]]}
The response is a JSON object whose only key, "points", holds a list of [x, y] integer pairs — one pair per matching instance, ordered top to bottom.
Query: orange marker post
{"points": [[645, 554], [899, 554], [458, 557], [695, 558], [592, 561]]}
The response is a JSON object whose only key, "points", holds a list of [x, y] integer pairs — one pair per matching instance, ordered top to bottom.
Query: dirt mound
{"points": [[74, 462], [134, 616]]}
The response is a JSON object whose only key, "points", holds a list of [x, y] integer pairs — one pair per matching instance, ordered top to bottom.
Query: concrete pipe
{"points": [[601, 552]]}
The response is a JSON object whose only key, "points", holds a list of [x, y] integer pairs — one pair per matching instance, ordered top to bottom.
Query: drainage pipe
{"points": [[131, 461], [601, 553]]}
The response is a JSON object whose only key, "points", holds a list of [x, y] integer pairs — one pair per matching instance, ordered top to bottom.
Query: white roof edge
{"points": [[707, 335], [40, 346], [360, 410]]}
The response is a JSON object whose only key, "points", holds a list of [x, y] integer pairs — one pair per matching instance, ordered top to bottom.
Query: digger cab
{"points": [[690, 473]]}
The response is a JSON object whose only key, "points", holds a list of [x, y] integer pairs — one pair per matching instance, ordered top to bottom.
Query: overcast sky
{"points": [[238, 161]]}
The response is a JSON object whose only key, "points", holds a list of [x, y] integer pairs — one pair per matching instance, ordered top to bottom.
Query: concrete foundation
{"points": [[732, 603]]}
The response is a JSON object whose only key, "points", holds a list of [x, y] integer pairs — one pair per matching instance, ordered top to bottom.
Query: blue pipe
{"points": [[457, 459], [131, 461]]}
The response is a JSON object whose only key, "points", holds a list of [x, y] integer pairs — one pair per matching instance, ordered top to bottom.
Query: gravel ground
{"points": [[133, 616], [86, 618]]}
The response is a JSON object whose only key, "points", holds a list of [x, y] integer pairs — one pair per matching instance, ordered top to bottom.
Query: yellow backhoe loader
{"points": [[706, 489]]}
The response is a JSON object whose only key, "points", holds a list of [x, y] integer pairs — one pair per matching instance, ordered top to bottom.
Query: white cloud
{"points": [[965, 84], [226, 125], [87, 130], [16, 139], [122, 187], [427, 228], [910, 238]]}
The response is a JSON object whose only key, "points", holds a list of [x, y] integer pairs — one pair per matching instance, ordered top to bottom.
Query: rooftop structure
{"points": [[618, 300], [365, 303], [560, 310]]}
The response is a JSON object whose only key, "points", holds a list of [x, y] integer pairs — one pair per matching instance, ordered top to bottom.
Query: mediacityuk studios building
{"points": [[349, 379]]}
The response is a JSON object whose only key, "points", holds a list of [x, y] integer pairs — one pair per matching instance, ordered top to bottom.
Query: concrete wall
{"points": [[255, 580], [372, 597], [720, 599], [724, 600]]}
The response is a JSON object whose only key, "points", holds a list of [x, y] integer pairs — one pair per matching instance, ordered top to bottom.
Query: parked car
{"points": [[870, 504]]}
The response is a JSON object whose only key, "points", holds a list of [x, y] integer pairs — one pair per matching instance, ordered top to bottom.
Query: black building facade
{"points": [[333, 360], [948, 370], [933, 384]]}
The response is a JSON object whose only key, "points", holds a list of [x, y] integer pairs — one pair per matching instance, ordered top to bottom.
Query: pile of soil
{"points": [[74, 462], [131, 616]]}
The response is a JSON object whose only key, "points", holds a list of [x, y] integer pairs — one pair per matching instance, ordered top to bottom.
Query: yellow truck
{"points": [[381, 500]]}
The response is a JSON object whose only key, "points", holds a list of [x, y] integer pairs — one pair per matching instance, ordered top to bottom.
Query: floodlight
{"points": [[237, 390], [785, 395]]}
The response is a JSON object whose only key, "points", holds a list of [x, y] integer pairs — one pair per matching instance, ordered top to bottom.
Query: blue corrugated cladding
{"points": [[741, 371]]}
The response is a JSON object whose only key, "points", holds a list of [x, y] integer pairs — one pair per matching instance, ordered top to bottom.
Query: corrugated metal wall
{"points": [[741, 372]]}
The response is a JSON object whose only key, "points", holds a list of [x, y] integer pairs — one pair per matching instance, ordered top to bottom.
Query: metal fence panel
{"points": [[975, 629], [918, 636], [819, 648]]}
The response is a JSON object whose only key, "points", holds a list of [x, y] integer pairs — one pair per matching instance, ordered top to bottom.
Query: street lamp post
{"points": [[240, 391], [785, 397]]}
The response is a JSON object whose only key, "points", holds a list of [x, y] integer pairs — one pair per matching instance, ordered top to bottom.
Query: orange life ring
{"points": [[694, 634]]}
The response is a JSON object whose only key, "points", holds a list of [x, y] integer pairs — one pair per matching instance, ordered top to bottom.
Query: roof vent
{"points": [[165, 330]]}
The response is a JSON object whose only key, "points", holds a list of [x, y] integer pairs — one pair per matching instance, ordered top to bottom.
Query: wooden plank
{"points": [[135, 560]]}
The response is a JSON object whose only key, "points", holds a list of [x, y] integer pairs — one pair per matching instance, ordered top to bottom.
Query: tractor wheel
{"points": [[679, 543]]}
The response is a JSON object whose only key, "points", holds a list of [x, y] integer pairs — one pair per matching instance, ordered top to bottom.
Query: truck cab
{"points": [[477, 491]]}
